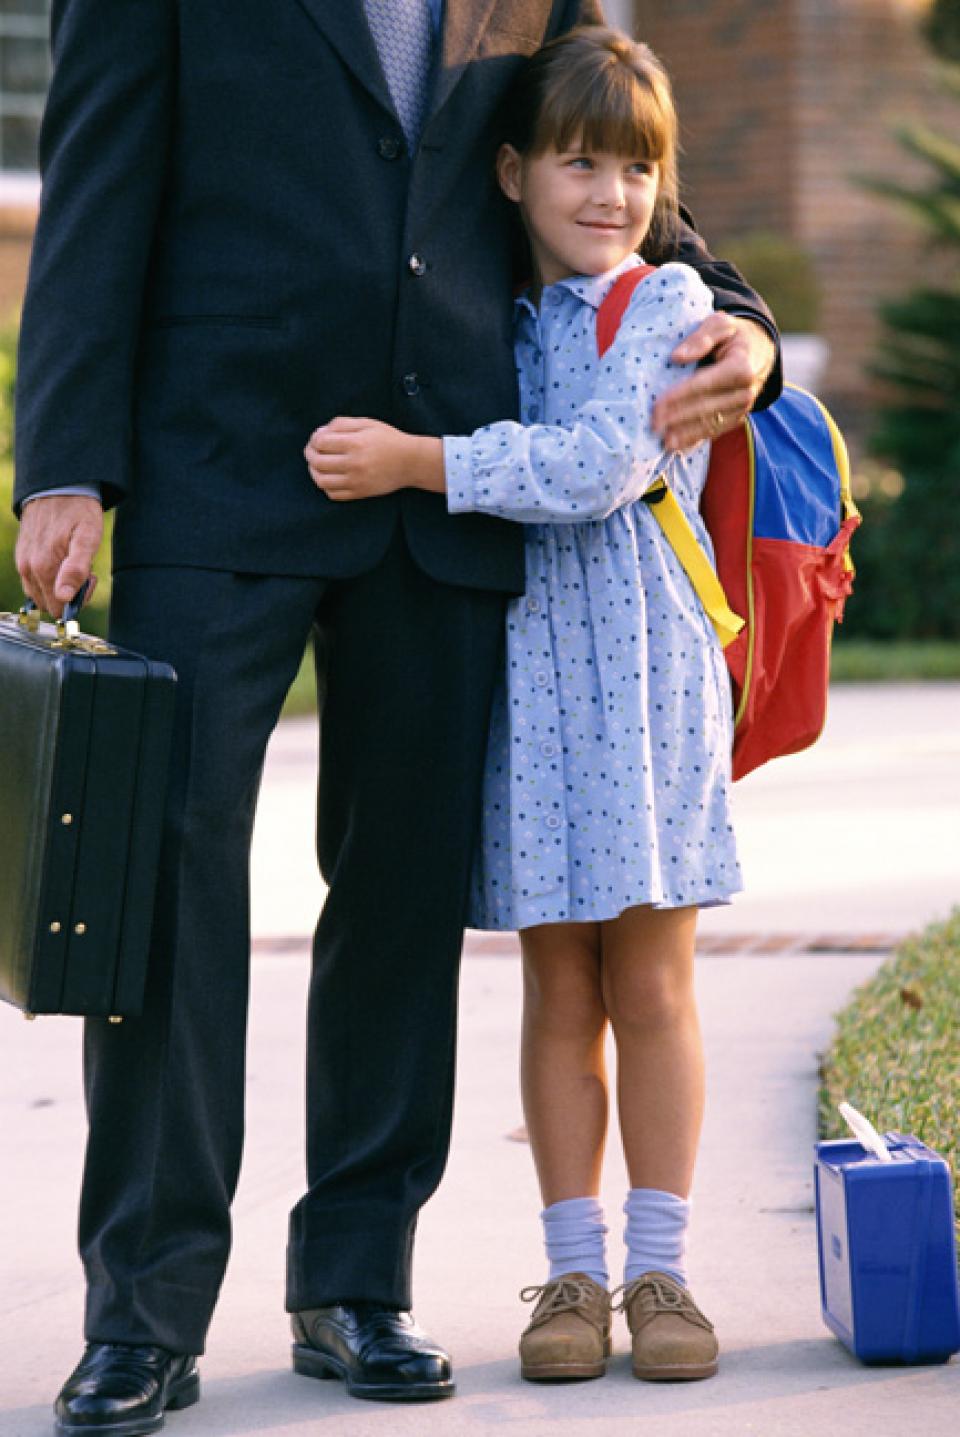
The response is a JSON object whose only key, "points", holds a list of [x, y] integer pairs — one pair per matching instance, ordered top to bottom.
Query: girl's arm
{"points": [[609, 454], [538, 473]]}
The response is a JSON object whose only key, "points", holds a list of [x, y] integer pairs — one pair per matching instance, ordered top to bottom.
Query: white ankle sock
{"points": [[573, 1234], [656, 1234]]}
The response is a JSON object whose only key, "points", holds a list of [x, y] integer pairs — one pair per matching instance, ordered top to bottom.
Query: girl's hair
{"points": [[596, 85]]}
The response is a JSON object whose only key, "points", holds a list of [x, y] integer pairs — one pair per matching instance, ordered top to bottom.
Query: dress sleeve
{"points": [[608, 455]]}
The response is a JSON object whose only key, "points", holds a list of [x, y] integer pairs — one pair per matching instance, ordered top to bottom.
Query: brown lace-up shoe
{"points": [[568, 1336], [672, 1340]]}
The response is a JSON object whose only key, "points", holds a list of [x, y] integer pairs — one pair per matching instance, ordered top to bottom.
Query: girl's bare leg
{"points": [[647, 976], [648, 982], [562, 1069]]}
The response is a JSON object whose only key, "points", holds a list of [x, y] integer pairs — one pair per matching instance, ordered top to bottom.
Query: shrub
{"points": [[942, 28], [783, 273]]}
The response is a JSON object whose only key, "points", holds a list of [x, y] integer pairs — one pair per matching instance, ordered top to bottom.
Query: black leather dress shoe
{"points": [[379, 1353], [124, 1390]]}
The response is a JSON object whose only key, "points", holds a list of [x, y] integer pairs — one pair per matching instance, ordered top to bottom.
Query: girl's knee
{"points": [[563, 990], [644, 997]]}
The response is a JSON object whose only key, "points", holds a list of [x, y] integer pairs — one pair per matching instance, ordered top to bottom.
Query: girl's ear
{"points": [[509, 165]]}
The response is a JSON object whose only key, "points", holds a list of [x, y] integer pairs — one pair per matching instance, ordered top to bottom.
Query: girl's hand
{"points": [[362, 458]]}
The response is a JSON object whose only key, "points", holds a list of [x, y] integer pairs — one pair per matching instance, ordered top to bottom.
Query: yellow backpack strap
{"points": [[693, 560]]}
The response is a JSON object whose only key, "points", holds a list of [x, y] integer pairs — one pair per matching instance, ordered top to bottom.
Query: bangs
{"points": [[615, 112]]}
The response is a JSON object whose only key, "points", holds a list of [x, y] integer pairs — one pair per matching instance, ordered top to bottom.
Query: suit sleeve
{"points": [[104, 144], [731, 294]]}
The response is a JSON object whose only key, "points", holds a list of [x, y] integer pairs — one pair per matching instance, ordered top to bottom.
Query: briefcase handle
{"points": [[30, 613], [67, 626]]}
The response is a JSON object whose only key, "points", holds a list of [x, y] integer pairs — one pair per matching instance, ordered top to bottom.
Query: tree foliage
{"points": [[942, 28], [908, 554]]}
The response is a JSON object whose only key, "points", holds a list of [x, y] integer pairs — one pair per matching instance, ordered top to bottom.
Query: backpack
{"points": [[778, 508]]}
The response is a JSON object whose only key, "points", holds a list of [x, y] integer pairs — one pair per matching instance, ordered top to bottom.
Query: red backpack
{"points": [[778, 508]]}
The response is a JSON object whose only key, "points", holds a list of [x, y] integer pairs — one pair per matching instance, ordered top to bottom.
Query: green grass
{"points": [[856, 661], [893, 661], [302, 698], [896, 1054]]}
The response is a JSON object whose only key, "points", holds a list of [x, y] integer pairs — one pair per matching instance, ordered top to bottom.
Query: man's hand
{"points": [[718, 396], [362, 458], [59, 539]]}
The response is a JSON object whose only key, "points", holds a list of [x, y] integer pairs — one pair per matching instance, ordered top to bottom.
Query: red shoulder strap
{"points": [[614, 305]]}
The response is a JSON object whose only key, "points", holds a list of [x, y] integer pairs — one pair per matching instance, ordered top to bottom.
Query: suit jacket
{"points": [[234, 245]]}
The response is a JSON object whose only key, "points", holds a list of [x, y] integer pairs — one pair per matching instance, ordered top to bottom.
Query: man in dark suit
{"points": [[246, 229]]}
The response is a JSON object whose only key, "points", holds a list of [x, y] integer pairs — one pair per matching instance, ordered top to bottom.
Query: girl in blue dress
{"points": [[606, 814]]}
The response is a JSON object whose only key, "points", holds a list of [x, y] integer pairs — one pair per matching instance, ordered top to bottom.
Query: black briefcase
{"points": [[84, 746]]}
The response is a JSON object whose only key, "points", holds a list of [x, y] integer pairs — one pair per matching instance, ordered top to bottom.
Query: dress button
{"points": [[388, 148], [417, 265], [555, 296], [411, 385], [533, 605], [541, 680], [548, 749], [553, 821]]}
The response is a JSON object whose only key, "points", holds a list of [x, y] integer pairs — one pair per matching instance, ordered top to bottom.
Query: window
{"points": [[24, 76]]}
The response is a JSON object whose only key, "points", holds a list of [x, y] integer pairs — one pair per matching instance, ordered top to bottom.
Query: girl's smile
{"points": [[584, 211]]}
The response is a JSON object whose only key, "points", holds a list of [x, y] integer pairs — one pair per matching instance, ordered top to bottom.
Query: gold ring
{"points": [[717, 421]]}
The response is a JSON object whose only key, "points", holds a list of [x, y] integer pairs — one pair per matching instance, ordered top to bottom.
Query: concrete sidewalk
{"points": [[882, 810]]}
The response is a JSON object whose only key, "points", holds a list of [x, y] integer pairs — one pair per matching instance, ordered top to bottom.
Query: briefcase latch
{"points": [[28, 619], [70, 637]]}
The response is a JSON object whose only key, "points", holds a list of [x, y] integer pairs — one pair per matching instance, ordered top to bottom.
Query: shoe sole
{"points": [[309, 1362], [562, 1371], [676, 1374], [181, 1394]]}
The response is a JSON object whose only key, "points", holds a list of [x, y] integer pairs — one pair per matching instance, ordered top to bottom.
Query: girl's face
{"points": [[584, 211]]}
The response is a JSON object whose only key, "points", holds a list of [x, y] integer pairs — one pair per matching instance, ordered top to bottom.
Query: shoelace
{"points": [[563, 1294], [666, 1298]]}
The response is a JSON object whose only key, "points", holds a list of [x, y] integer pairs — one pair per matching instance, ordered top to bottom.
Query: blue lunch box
{"points": [[887, 1250]]}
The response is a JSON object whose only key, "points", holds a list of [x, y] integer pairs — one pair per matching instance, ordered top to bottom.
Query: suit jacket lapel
{"points": [[464, 22], [346, 28]]}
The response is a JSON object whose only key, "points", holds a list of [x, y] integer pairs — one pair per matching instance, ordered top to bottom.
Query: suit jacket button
{"points": [[388, 148], [417, 265], [411, 385]]}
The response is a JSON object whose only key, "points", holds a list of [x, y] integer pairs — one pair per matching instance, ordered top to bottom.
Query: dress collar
{"points": [[588, 288]]}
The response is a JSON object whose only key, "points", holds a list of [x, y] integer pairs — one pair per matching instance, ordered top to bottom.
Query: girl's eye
{"points": [[581, 162], [642, 167]]}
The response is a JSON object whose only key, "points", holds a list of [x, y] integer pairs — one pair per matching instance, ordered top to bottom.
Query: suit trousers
{"points": [[406, 671]]}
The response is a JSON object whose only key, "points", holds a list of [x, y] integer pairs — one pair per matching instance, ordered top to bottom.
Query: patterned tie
{"points": [[403, 34]]}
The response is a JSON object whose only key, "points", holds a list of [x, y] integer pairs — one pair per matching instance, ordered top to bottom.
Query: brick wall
{"points": [[782, 104]]}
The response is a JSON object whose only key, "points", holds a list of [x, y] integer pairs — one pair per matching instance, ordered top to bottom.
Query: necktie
{"points": [[402, 31]]}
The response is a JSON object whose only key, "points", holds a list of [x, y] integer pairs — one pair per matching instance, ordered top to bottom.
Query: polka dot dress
{"points": [[608, 773]]}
